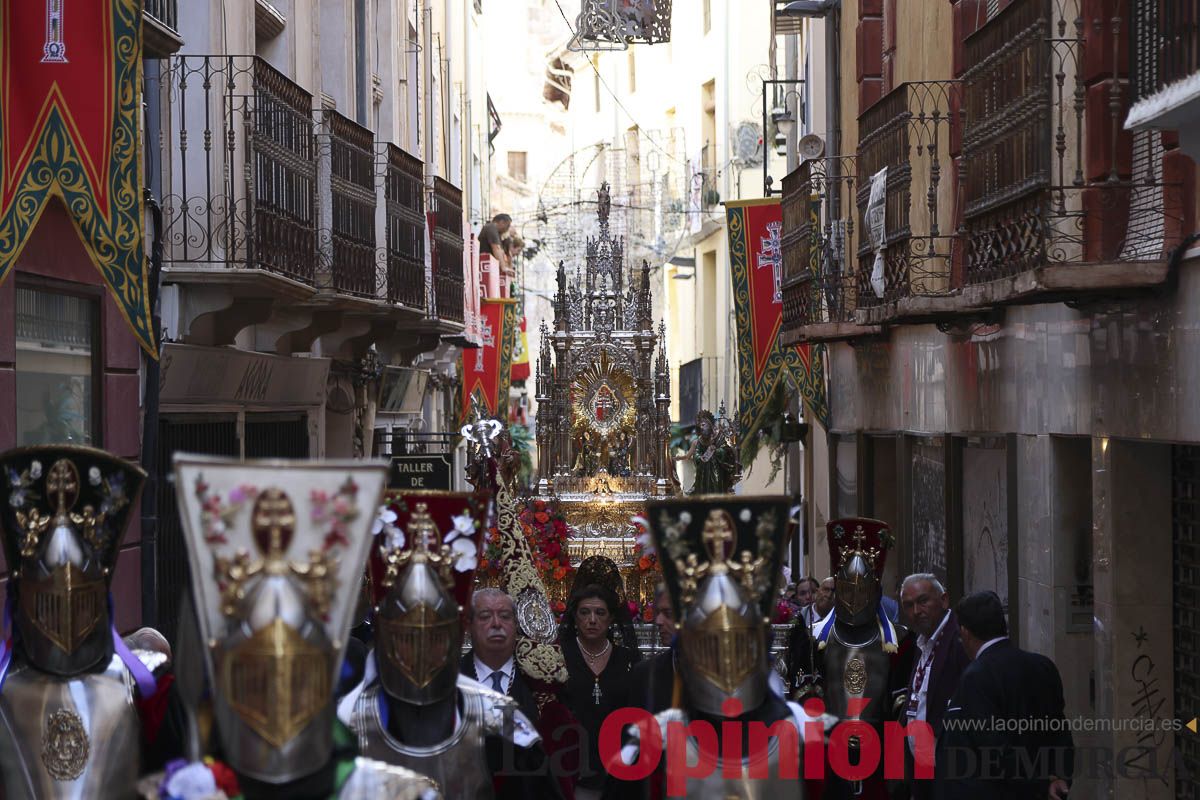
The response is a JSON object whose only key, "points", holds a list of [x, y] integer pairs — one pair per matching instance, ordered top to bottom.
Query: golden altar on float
{"points": [[604, 408]]}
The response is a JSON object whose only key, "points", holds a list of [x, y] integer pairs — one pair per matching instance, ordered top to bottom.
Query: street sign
{"points": [[421, 472]]}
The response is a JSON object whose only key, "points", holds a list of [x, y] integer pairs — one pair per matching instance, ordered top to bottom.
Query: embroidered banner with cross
{"points": [[70, 105], [756, 267], [520, 362], [487, 370]]}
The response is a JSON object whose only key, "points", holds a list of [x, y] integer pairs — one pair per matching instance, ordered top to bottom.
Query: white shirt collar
{"points": [[925, 642], [989, 643], [483, 672]]}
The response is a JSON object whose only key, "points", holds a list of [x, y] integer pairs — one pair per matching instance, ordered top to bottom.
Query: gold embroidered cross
{"points": [[61, 481]]}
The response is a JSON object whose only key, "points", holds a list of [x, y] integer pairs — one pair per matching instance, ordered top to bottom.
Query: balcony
{"points": [[160, 28], [1166, 69], [240, 177], [706, 180], [1057, 200], [351, 201], [405, 229], [447, 251], [904, 259], [820, 295]]}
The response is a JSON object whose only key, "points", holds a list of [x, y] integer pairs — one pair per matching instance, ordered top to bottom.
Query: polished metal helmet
{"points": [[64, 511], [858, 549], [276, 556], [426, 556], [720, 559]]}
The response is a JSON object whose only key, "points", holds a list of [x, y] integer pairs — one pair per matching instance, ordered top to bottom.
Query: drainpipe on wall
{"points": [[425, 136], [149, 451], [149, 540]]}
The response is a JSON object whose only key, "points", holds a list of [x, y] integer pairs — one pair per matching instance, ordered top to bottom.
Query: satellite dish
{"points": [[811, 146]]}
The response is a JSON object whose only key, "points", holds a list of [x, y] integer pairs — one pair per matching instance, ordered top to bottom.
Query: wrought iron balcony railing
{"points": [[165, 11], [160, 28], [1166, 44], [907, 133], [239, 168], [706, 176], [1049, 176], [351, 199], [405, 229], [447, 251], [819, 285], [397, 442]]}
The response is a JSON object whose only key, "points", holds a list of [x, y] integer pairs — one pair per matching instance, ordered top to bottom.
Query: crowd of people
{"points": [[954, 664], [438, 688]]}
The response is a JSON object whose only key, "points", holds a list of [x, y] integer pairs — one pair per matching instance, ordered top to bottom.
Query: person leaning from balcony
{"points": [[491, 238], [514, 245], [938, 660], [598, 673], [652, 681], [1029, 755]]}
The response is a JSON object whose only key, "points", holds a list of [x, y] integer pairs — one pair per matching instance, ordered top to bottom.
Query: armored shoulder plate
{"points": [[153, 660], [500, 714], [372, 779]]}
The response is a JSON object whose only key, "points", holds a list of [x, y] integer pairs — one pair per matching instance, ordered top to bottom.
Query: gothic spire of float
{"points": [[606, 298], [603, 396]]}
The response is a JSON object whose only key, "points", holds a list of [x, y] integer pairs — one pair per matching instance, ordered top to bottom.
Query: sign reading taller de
{"points": [[70, 98], [421, 472]]}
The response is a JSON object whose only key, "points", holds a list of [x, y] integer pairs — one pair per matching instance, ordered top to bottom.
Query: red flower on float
{"points": [[783, 614]]}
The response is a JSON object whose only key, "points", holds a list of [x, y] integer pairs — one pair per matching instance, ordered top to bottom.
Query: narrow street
{"points": [[490, 399]]}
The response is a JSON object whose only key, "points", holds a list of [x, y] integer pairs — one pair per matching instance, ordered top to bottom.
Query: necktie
{"points": [[497, 676]]}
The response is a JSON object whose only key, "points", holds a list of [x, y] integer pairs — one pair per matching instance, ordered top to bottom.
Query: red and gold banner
{"points": [[70, 100], [756, 265], [520, 362], [487, 369]]}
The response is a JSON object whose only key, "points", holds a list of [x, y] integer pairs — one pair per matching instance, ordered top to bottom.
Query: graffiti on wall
{"points": [[929, 509]]}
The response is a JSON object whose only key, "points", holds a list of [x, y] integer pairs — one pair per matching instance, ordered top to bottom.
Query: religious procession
{"points": [[599, 399]]}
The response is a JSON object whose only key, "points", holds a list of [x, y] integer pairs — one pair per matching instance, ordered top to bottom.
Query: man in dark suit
{"points": [[493, 625], [938, 660], [652, 680], [1004, 735]]}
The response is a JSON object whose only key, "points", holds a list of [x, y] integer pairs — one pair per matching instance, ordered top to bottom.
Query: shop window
{"points": [[57, 344], [845, 489]]}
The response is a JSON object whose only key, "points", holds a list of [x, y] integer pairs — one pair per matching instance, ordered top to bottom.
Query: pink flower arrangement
{"points": [[337, 512], [216, 516]]}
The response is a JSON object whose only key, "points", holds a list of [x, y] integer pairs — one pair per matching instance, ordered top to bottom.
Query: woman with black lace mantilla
{"points": [[599, 647]]}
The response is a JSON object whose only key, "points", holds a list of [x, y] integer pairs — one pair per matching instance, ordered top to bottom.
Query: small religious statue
{"points": [[481, 434], [592, 453], [714, 457], [618, 462]]}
